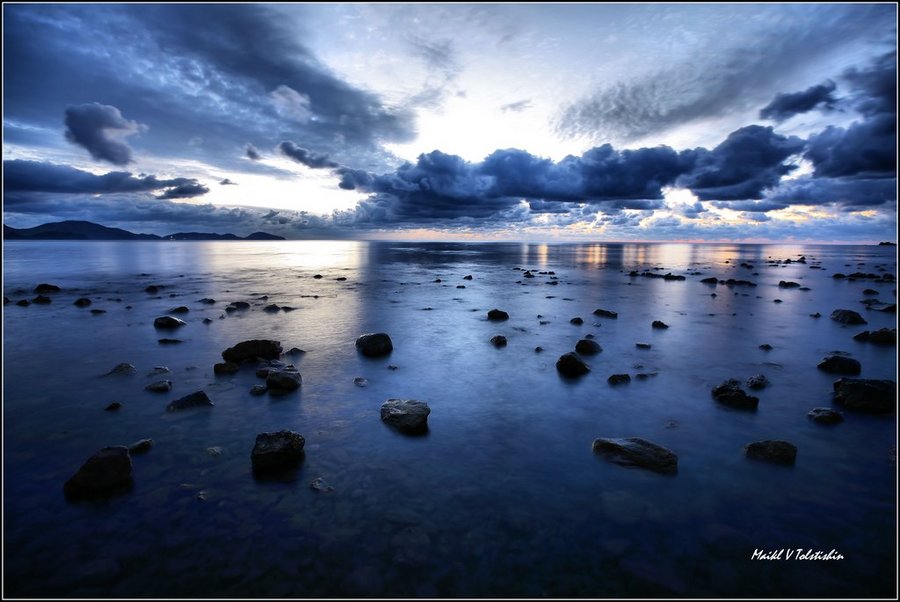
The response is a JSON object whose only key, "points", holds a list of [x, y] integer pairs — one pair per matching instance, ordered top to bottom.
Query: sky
{"points": [[540, 122]]}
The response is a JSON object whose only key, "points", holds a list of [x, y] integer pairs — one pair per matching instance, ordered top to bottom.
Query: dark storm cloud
{"points": [[874, 88], [785, 106], [101, 130], [867, 148], [252, 153], [304, 156], [750, 160], [31, 176], [352, 179], [184, 191], [845, 192], [752, 206]]}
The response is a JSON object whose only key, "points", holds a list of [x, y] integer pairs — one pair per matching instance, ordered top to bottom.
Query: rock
{"points": [[318, 276], [468, 277], [710, 280], [788, 284], [46, 288], [870, 291], [42, 300], [207, 301], [23, 302], [82, 302], [237, 305], [271, 308], [181, 309], [98, 312], [605, 313], [497, 315], [815, 315], [847, 316], [576, 321], [168, 322], [659, 324], [883, 336], [498, 340], [169, 341], [374, 345], [643, 345], [588, 347], [765, 347], [252, 349], [538, 349], [295, 351], [569, 364], [838, 364], [123, 368], [226, 368], [618, 379], [283, 380], [359, 381], [757, 381], [160, 386], [258, 390], [730, 394], [866, 395], [197, 399], [113, 407], [409, 416], [825, 416], [140, 447], [277, 451], [637, 452], [779, 452], [104, 474], [320, 485]]}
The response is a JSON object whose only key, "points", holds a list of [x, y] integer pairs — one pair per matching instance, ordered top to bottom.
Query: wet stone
{"points": [[82, 302], [497, 315], [847, 316], [167, 322], [659, 324], [498, 340], [374, 344], [588, 347], [252, 349], [837, 364], [570, 365], [123, 368], [226, 368], [619, 379], [757, 381], [160, 386], [258, 390], [730, 394], [866, 395], [197, 399], [113, 407], [408, 416], [825, 416], [140, 447], [277, 451], [637, 452], [778, 452], [104, 474]]}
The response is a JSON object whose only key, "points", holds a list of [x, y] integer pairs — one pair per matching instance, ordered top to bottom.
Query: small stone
{"points": [[46, 288], [42, 300], [207, 301], [23, 302], [82, 302], [181, 309], [605, 313], [497, 315], [815, 315], [847, 316], [207, 320], [576, 321], [168, 322], [659, 324], [498, 340], [169, 341], [374, 344], [643, 345], [588, 347], [765, 347], [252, 349], [538, 349], [837, 364], [570, 365], [123, 368], [226, 368], [619, 379], [283, 380], [359, 381], [757, 381], [160, 386], [258, 390], [730, 394], [866, 395], [197, 399], [113, 407], [409, 416], [825, 416], [140, 447], [277, 451], [637, 452], [778, 452], [104, 474], [321, 486]]}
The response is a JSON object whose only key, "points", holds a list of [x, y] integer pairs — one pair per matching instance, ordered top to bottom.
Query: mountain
{"points": [[80, 230]]}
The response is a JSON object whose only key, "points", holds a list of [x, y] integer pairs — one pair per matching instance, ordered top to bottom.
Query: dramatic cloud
{"points": [[290, 104], [785, 106], [101, 129], [252, 153], [304, 156], [184, 191], [845, 192]]}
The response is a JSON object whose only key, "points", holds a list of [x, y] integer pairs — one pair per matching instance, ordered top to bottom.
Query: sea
{"points": [[503, 497]]}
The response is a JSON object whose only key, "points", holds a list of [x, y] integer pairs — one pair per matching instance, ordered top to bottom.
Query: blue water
{"points": [[504, 496]]}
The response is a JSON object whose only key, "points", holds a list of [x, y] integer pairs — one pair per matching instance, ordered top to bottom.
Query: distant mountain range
{"points": [[80, 230]]}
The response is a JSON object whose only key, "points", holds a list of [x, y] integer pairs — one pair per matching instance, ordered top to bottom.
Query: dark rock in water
{"points": [[838, 275], [318, 276], [469, 277], [341, 278], [710, 280], [788, 284], [46, 288], [152, 289], [870, 291], [42, 300], [207, 301], [777, 301], [23, 302], [82, 302], [237, 305], [271, 308], [181, 309], [890, 309], [98, 312], [605, 313], [497, 315], [815, 315], [847, 316], [207, 320], [576, 321], [167, 322], [659, 324], [883, 336], [498, 340], [169, 341], [374, 344], [643, 345], [588, 347], [765, 347], [252, 349], [538, 349], [295, 351], [569, 364], [837, 364], [391, 367], [122, 368], [226, 368], [159, 370], [262, 372], [618, 379], [283, 380], [359, 381], [757, 381], [160, 386], [258, 389], [730, 394], [866, 395], [197, 399], [114, 406], [408, 416], [825, 416], [140, 447], [277, 451], [637, 452], [779, 452], [104, 474], [319, 484]]}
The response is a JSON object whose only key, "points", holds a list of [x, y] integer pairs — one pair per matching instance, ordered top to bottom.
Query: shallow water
{"points": [[503, 497]]}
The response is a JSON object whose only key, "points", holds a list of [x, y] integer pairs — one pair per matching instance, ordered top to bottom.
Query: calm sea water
{"points": [[503, 497]]}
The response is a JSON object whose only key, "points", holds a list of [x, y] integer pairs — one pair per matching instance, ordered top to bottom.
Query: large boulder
{"points": [[46, 288], [497, 315], [847, 316], [168, 322], [883, 336], [374, 344], [588, 347], [252, 349], [569, 364], [839, 364], [283, 380], [729, 393], [866, 395], [197, 399], [408, 416], [825, 416], [277, 451], [634, 451], [778, 452], [104, 474]]}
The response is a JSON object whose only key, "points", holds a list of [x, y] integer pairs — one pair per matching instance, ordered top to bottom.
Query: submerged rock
{"points": [[788, 284], [46, 288], [42, 300], [23, 302], [82, 302], [237, 305], [181, 309], [605, 313], [497, 315], [847, 316], [576, 321], [167, 322], [659, 324], [883, 336], [498, 340], [169, 341], [374, 344], [643, 345], [588, 347], [765, 347], [252, 349], [569, 364], [838, 364], [123, 368], [226, 368], [619, 379], [283, 380], [757, 381], [160, 386], [258, 390], [730, 394], [866, 395], [197, 399], [113, 407], [408, 416], [825, 416], [140, 447], [277, 451], [637, 452], [778, 452], [104, 474]]}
